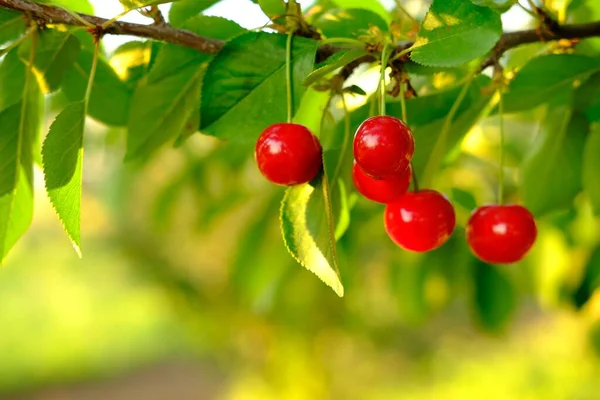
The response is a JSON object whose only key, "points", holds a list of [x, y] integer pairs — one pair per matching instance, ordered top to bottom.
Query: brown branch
{"points": [[166, 33]]}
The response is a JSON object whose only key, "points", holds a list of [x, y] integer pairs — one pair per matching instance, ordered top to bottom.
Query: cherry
{"points": [[383, 146], [288, 154], [381, 190], [420, 221], [501, 234]]}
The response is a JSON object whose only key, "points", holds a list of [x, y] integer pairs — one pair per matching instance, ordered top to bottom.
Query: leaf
{"points": [[133, 4], [372, 5], [81, 6], [500, 6], [273, 8], [185, 9], [348, 22], [12, 25], [455, 32], [55, 52], [338, 60], [131, 61], [247, 78], [545, 78], [12, 79], [109, 98], [587, 98], [163, 105], [20, 124], [62, 156], [591, 168], [551, 173], [463, 198], [300, 242], [590, 280], [494, 298]]}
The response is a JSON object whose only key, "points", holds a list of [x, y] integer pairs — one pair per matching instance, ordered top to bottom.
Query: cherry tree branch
{"points": [[45, 14]]}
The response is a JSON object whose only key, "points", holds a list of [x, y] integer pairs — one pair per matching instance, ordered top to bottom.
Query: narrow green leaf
{"points": [[372, 5], [500, 6], [273, 8], [185, 9], [349, 22], [12, 25], [455, 32], [55, 52], [337, 61], [247, 78], [547, 78], [12, 79], [110, 97], [20, 126], [62, 156], [591, 168], [551, 173], [295, 219], [590, 280], [494, 298]]}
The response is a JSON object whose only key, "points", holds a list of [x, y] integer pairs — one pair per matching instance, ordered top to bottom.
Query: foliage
{"points": [[164, 95]]}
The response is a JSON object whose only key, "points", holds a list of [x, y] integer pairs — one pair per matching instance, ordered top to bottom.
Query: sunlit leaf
{"points": [[371, 5], [186, 9], [349, 22], [455, 32], [339, 60], [62, 155], [591, 168]]}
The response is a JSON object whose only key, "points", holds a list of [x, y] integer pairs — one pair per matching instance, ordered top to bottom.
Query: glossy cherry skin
{"points": [[383, 146], [288, 154], [384, 190], [420, 221], [501, 234]]}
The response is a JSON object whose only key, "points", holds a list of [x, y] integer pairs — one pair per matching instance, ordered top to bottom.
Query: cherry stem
{"points": [[354, 42], [385, 55], [288, 77], [88, 90], [405, 119], [345, 141], [501, 158], [415, 181]]}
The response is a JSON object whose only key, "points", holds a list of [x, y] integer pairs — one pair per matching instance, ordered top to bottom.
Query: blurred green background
{"points": [[186, 291]]}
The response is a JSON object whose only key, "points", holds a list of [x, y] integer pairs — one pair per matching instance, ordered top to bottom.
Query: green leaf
{"points": [[133, 4], [372, 5], [81, 6], [500, 6], [273, 8], [185, 9], [349, 22], [12, 25], [455, 32], [55, 52], [338, 60], [131, 61], [247, 78], [547, 78], [12, 79], [110, 97], [587, 98], [163, 105], [20, 125], [62, 156], [591, 168], [551, 173], [463, 198], [296, 218], [590, 280], [494, 298]]}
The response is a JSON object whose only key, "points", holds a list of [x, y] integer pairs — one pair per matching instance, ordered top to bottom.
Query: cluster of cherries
{"points": [[422, 220]]}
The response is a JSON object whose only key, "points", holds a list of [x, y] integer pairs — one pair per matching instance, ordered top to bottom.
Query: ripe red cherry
{"points": [[383, 146], [288, 154], [381, 190], [420, 221], [501, 234]]}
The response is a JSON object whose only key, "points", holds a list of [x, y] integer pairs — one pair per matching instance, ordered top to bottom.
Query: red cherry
{"points": [[383, 146], [288, 154], [381, 190], [420, 221], [501, 234]]}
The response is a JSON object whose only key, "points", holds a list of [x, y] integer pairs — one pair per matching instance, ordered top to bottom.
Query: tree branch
{"points": [[51, 15]]}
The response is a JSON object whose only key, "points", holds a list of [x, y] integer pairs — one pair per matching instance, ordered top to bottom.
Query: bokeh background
{"points": [[186, 291]]}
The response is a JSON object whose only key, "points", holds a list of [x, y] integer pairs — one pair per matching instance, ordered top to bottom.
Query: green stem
{"points": [[74, 15], [115, 18], [354, 42], [401, 53], [385, 55], [288, 77], [88, 90], [403, 103], [345, 142], [436, 156], [501, 158]]}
